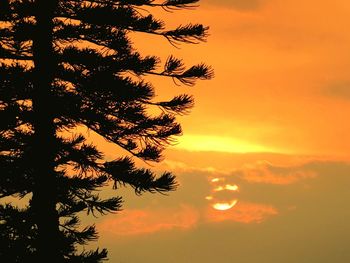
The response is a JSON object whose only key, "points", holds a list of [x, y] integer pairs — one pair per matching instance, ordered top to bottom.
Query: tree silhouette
{"points": [[70, 63]]}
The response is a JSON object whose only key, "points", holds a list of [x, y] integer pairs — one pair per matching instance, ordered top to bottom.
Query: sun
{"points": [[225, 206]]}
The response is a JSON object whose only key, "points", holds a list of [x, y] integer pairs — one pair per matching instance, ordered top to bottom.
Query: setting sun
{"points": [[225, 206]]}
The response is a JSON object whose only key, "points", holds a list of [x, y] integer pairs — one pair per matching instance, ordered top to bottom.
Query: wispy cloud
{"points": [[242, 5], [338, 89], [267, 173], [251, 194], [243, 212], [146, 221], [135, 222]]}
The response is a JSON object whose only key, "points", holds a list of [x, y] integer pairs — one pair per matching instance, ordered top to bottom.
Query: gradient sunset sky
{"points": [[264, 162]]}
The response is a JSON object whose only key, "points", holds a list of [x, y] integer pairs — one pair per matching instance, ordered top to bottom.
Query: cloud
{"points": [[243, 5], [340, 90], [267, 173], [252, 193], [243, 212], [136, 222], [141, 222], [271, 222]]}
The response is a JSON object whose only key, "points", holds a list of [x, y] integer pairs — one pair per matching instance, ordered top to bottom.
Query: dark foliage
{"points": [[70, 63]]}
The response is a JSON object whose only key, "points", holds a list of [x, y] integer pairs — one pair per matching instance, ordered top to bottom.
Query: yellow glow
{"points": [[218, 144], [214, 180], [228, 187], [231, 187], [218, 189], [209, 197], [225, 206]]}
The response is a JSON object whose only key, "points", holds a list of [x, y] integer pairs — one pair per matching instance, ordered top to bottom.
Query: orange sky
{"points": [[281, 74], [270, 131]]}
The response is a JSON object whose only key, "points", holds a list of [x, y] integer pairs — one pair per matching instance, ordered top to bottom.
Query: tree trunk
{"points": [[44, 194]]}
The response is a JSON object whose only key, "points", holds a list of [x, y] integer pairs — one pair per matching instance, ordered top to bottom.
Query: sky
{"points": [[263, 165]]}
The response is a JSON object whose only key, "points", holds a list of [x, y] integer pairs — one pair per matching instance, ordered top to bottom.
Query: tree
{"points": [[70, 63]]}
